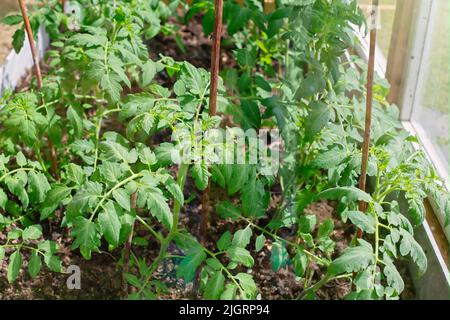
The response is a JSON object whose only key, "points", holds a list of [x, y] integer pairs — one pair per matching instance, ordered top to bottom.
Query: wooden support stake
{"points": [[26, 22], [215, 57], [215, 66], [37, 68], [369, 101]]}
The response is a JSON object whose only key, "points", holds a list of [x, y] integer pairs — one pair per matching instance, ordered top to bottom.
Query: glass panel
{"points": [[387, 14], [431, 107]]}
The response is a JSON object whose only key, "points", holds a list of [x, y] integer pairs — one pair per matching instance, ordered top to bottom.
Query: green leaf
{"points": [[12, 20], [18, 40], [148, 72], [311, 85], [316, 120], [76, 122], [20, 159], [330, 159], [75, 173], [201, 175], [238, 178], [38, 186], [175, 191], [350, 193], [122, 198], [3, 199], [53, 199], [254, 201], [158, 206], [226, 209], [417, 211], [363, 221], [307, 223], [110, 224], [325, 228], [32, 232], [86, 236], [242, 237], [224, 241], [260, 242], [409, 245], [2, 254], [241, 255], [279, 256], [353, 259], [53, 262], [15, 263], [190, 263], [300, 263], [34, 264], [393, 277], [248, 285], [214, 286], [229, 293]]}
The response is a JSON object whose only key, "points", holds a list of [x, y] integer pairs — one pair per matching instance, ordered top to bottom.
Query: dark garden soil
{"points": [[101, 277]]}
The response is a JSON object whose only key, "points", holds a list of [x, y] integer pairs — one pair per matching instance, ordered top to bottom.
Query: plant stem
{"points": [[181, 180]]}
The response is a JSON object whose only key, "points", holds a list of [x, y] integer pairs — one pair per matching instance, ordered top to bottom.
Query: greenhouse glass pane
{"points": [[387, 14], [431, 108]]}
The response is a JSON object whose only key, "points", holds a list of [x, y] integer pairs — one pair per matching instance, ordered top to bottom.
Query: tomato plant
{"points": [[122, 182]]}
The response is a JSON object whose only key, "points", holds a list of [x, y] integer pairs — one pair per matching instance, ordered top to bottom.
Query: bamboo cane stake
{"points": [[27, 24], [215, 57], [215, 65], [37, 68], [369, 102]]}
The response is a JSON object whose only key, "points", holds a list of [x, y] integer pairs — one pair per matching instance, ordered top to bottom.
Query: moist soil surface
{"points": [[101, 277]]}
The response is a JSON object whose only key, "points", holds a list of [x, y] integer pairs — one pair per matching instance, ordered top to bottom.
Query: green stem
{"points": [[15, 171], [181, 180], [108, 194], [318, 259]]}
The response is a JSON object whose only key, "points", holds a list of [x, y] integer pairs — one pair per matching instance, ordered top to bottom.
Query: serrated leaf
{"points": [[12, 19], [148, 72], [316, 120], [201, 175], [38, 186], [175, 191], [350, 193], [122, 198], [3, 199], [53, 199], [253, 199], [158, 206], [228, 210], [363, 221], [110, 224], [32, 232], [86, 236], [242, 237], [224, 241], [260, 242], [409, 245], [241, 255], [279, 256], [353, 259], [15, 263], [190, 263], [300, 263], [34, 264], [248, 285], [214, 286], [229, 293]]}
